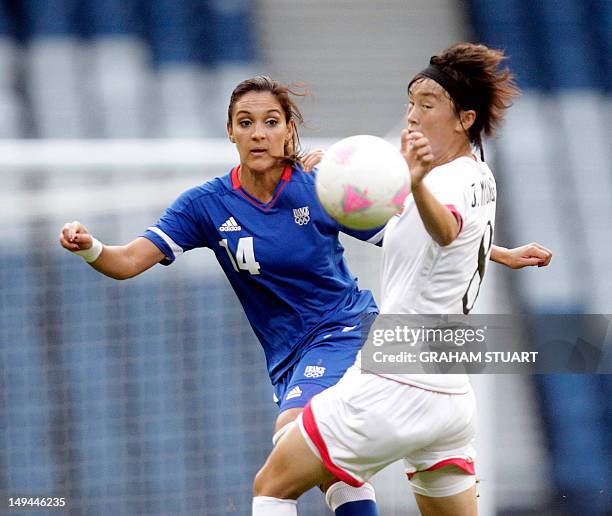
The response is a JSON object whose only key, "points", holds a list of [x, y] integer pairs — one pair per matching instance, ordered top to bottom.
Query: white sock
{"points": [[340, 493], [268, 506]]}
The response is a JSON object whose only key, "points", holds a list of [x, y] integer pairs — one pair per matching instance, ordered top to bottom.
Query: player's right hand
{"points": [[418, 155], [75, 237]]}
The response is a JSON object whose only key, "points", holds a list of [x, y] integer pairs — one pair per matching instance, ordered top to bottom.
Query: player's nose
{"points": [[411, 119], [258, 131]]}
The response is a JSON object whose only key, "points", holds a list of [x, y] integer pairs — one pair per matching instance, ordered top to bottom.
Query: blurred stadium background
{"points": [[151, 396]]}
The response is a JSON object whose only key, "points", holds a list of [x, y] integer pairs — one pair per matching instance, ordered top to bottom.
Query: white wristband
{"points": [[91, 254]]}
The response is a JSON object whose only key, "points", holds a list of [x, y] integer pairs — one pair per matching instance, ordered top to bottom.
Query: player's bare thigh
{"points": [[289, 416], [286, 417], [291, 469], [449, 478], [462, 504]]}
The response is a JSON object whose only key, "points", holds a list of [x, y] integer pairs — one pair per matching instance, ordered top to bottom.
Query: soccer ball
{"points": [[362, 181]]}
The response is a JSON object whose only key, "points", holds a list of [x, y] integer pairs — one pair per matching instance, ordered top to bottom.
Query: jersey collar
{"points": [[286, 176], [237, 187]]}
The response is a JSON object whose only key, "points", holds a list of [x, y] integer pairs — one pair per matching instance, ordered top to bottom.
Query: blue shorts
{"points": [[322, 363]]}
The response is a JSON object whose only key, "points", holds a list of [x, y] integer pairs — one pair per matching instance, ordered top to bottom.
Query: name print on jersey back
{"points": [[484, 192]]}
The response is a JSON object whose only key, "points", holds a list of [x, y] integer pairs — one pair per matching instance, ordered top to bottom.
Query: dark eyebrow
{"points": [[426, 94], [246, 111]]}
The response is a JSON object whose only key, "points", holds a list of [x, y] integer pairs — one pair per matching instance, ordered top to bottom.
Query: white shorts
{"points": [[366, 422]]}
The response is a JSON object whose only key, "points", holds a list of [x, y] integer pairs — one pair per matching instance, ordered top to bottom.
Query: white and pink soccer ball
{"points": [[362, 181]]}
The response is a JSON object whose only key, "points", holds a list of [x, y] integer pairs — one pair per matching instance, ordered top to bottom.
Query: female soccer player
{"points": [[279, 250], [430, 253]]}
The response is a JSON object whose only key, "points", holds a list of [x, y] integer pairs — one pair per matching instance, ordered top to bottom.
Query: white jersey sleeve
{"points": [[450, 190]]}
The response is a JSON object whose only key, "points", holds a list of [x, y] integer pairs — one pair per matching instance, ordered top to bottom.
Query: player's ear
{"points": [[466, 120], [290, 131], [230, 132], [288, 147]]}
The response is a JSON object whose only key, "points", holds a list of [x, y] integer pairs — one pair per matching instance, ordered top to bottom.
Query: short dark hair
{"points": [[475, 68], [282, 93]]}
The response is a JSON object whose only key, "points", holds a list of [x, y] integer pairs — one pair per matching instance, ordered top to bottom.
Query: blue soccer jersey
{"points": [[283, 259]]}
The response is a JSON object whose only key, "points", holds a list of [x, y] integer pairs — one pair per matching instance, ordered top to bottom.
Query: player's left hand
{"points": [[417, 153], [312, 159], [528, 256]]}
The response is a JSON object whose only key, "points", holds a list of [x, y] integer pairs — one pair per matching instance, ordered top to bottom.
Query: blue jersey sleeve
{"points": [[180, 229], [373, 236]]}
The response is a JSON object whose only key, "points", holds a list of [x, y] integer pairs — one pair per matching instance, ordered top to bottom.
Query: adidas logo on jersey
{"points": [[301, 215], [230, 225], [313, 371], [296, 392]]}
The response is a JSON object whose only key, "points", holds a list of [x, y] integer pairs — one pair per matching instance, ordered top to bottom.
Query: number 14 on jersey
{"points": [[245, 255]]}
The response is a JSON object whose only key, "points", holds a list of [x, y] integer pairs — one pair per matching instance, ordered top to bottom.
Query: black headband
{"points": [[452, 87]]}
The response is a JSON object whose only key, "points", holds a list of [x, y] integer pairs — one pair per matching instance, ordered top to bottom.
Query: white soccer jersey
{"points": [[421, 277]]}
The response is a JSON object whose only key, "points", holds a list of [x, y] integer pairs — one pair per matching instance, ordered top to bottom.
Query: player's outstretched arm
{"points": [[438, 220], [525, 256], [115, 261]]}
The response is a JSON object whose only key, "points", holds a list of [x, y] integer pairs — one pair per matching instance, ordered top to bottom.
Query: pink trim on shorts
{"points": [[310, 425], [463, 464]]}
